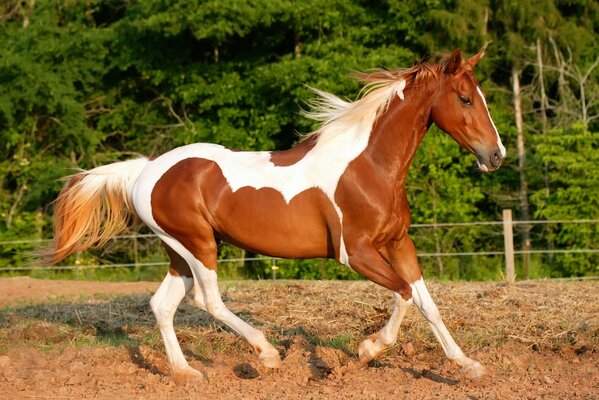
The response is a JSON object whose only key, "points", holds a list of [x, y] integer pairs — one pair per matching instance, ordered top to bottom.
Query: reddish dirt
{"points": [[23, 290], [71, 339]]}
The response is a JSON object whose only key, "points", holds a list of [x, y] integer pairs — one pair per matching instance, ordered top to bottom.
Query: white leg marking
{"points": [[198, 295], [164, 303], [213, 303], [429, 310], [386, 337], [267, 354]]}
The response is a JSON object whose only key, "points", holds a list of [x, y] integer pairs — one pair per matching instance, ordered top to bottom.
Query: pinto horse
{"points": [[340, 193]]}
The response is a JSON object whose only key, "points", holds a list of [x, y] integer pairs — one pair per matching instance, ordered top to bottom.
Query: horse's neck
{"points": [[397, 133]]}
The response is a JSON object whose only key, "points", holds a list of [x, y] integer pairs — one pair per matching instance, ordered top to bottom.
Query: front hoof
{"points": [[367, 351], [272, 360], [474, 371], [187, 374]]}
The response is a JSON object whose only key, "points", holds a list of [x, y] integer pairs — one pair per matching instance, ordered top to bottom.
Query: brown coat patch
{"points": [[289, 157], [193, 202]]}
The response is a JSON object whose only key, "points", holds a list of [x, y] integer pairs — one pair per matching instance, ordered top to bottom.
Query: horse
{"points": [[339, 193]]}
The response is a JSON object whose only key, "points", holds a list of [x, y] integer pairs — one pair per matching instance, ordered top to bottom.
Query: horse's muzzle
{"points": [[491, 162]]}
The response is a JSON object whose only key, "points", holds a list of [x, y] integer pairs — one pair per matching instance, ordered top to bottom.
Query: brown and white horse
{"points": [[340, 193]]}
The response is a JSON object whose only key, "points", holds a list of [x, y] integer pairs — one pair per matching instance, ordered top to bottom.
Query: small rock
{"points": [[408, 349], [4, 361], [548, 380]]}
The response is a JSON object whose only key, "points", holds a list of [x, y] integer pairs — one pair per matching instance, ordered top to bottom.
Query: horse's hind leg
{"points": [[203, 266], [164, 303], [267, 354]]}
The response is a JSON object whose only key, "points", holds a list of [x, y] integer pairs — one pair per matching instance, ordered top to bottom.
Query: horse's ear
{"points": [[476, 58], [453, 62]]}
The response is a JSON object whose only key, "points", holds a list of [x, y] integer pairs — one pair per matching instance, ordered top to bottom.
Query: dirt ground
{"points": [[70, 339]]}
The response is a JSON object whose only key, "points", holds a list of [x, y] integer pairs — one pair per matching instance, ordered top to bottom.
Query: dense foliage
{"points": [[83, 83]]}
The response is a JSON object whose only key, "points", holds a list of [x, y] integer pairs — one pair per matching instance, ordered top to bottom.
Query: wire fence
{"points": [[426, 235]]}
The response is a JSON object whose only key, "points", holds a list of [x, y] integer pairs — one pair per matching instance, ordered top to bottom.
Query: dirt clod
{"points": [[408, 350], [4, 361]]}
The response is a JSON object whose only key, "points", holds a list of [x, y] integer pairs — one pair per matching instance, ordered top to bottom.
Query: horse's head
{"points": [[460, 109]]}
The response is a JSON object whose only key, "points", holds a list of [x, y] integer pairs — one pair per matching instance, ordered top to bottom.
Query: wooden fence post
{"points": [[508, 239], [273, 268]]}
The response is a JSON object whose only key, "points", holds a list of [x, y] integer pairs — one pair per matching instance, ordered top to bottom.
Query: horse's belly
{"points": [[262, 221]]}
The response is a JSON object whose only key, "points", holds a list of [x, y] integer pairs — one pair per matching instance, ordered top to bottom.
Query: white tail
{"points": [[93, 206]]}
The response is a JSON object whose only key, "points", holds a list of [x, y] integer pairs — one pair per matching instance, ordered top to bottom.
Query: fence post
{"points": [[508, 240], [273, 268]]}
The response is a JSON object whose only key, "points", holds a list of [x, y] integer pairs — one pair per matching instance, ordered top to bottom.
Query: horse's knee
{"points": [[405, 291]]}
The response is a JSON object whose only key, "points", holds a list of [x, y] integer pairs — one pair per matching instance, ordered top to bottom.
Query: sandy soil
{"points": [[23, 290], [68, 339]]}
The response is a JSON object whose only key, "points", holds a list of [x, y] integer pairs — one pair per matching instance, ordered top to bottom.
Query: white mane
{"points": [[337, 115]]}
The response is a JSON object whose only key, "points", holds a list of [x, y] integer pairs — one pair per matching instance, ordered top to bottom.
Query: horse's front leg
{"points": [[401, 255], [367, 261], [373, 346]]}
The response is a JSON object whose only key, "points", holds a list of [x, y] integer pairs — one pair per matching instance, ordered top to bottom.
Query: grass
{"points": [[342, 341]]}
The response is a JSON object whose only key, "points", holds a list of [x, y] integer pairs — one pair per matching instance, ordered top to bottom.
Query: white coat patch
{"points": [[501, 147]]}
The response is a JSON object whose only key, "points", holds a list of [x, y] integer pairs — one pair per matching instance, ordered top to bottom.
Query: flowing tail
{"points": [[93, 206]]}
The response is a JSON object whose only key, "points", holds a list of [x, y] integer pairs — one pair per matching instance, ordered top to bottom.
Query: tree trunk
{"points": [[485, 25], [297, 49], [544, 104], [544, 126], [15, 205], [524, 215]]}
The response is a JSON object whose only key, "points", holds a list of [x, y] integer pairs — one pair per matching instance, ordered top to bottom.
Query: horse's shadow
{"points": [[115, 321]]}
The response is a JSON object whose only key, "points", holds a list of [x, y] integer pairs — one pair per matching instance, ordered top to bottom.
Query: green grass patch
{"points": [[342, 341]]}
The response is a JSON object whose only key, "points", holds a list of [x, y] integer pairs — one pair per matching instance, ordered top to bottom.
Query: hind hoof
{"points": [[271, 360], [474, 371], [188, 374]]}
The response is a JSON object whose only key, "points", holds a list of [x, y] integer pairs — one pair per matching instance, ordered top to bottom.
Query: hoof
{"points": [[368, 351], [272, 360], [474, 371], [188, 374]]}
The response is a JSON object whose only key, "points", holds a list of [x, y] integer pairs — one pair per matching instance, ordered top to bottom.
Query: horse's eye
{"points": [[466, 100]]}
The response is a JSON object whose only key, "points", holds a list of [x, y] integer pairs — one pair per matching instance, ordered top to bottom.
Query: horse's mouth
{"points": [[482, 166]]}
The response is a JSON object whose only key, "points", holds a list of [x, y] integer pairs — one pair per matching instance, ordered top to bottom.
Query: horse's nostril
{"points": [[496, 159]]}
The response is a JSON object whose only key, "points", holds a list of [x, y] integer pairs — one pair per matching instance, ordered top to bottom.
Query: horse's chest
{"points": [[395, 219]]}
